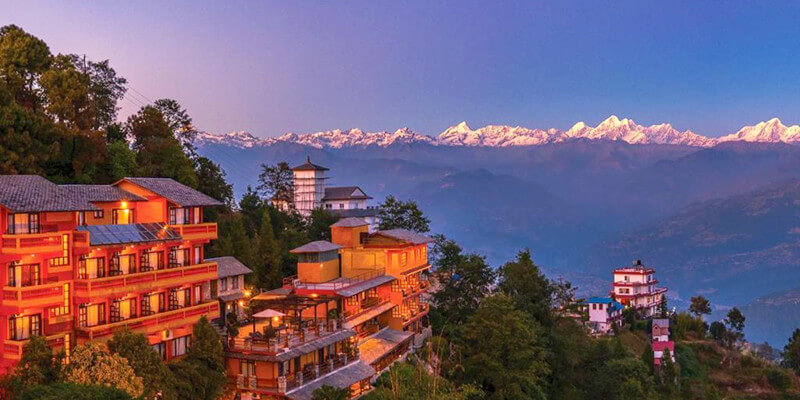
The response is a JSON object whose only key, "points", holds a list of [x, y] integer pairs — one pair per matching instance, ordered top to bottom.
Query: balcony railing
{"points": [[204, 231], [30, 243], [144, 281], [340, 283], [33, 296], [154, 322], [283, 340], [12, 349]]}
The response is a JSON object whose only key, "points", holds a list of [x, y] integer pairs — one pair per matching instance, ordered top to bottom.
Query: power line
{"points": [[140, 94]]}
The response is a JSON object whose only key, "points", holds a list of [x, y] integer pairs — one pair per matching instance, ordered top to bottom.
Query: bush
{"points": [[690, 365], [780, 379], [73, 391]]}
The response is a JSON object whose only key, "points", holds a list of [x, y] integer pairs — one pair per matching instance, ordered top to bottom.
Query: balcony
{"points": [[205, 231], [32, 243], [144, 281], [33, 296], [152, 323], [12, 349], [291, 381]]}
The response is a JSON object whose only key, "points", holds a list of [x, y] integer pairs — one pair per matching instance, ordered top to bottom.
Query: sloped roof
{"points": [[309, 166], [175, 192], [33, 193], [101, 193], [344, 193], [355, 212], [350, 222], [405, 235], [319, 246], [229, 266], [362, 286], [381, 343], [297, 351], [341, 378]]}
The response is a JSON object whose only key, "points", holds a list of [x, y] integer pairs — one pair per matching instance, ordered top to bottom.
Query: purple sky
{"points": [[301, 66]]}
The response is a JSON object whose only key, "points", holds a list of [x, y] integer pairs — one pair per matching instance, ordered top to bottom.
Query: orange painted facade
{"points": [[61, 283]]}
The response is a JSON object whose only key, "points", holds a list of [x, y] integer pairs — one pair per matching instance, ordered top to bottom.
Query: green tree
{"points": [[23, 58], [106, 89], [179, 122], [159, 153], [120, 161], [211, 181], [276, 183], [252, 209], [395, 213], [319, 225], [267, 271], [463, 279], [531, 291], [700, 306], [734, 320], [718, 331], [791, 352], [503, 353], [647, 356], [146, 363], [91, 365], [37, 366], [201, 374], [669, 374], [623, 379], [411, 381], [73, 391], [331, 393]]}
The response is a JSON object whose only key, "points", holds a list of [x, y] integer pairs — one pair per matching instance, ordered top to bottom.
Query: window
{"points": [[341, 205], [328, 206], [98, 214], [184, 215], [81, 216], [121, 216], [23, 223], [198, 254], [178, 257], [64, 259], [403, 259], [151, 260], [89, 268], [23, 275], [235, 282], [223, 284], [64, 309], [91, 315], [22, 327], [179, 345], [161, 349], [247, 368]]}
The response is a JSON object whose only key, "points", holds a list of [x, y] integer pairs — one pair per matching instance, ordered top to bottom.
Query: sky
{"points": [[272, 67]]}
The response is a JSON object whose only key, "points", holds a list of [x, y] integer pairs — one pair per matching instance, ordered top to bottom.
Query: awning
{"points": [[363, 286], [273, 294], [231, 297], [268, 313], [368, 315], [382, 343], [341, 378]]}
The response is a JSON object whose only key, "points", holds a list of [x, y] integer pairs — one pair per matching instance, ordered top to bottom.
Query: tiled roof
{"points": [[308, 166], [175, 192], [33, 193], [101, 193], [344, 193], [356, 212], [350, 222], [100, 235], [405, 235], [319, 246], [229, 266], [381, 343], [342, 378]]}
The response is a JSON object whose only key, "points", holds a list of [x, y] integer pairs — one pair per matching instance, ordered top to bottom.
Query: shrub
{"points": [[780, 379]]}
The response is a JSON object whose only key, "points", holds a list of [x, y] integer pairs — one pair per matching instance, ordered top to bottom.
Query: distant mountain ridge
{"points": [[611, 129]]}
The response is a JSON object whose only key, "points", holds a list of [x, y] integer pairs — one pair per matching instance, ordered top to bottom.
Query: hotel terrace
{"points": [[82, 261], [356, 305]]}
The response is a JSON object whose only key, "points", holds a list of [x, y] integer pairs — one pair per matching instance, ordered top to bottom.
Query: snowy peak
{"points": [[612, 128], [766, 131]]}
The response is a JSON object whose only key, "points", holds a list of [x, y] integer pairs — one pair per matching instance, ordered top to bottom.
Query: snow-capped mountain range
{"points": [[612, 128]]}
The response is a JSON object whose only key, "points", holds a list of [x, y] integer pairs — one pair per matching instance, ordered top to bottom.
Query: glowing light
{"points": [[124, 204], [247, 293], [314, 295], [241, 303], [276, 318]]}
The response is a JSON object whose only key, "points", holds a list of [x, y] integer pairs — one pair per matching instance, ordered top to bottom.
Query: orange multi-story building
{"points": [[79, 262], [356, 305]]}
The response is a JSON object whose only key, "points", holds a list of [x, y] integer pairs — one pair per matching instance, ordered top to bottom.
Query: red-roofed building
{"points": [[635, 287]]}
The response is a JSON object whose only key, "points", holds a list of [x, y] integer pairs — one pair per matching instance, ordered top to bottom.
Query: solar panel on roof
{"points": [[131, 233]]}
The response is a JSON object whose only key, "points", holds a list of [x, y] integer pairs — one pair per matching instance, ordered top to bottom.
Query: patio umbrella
{"points": [[269, 314]]}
